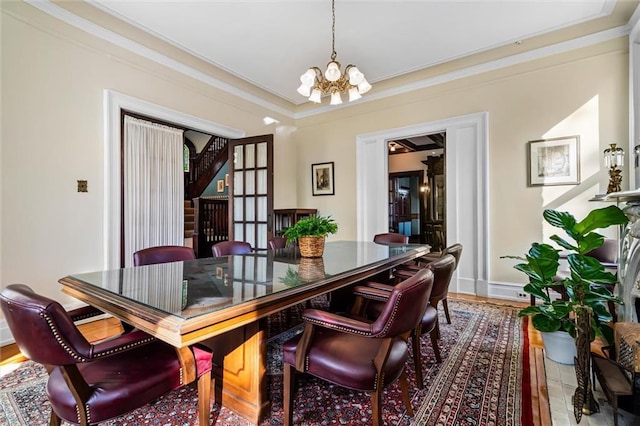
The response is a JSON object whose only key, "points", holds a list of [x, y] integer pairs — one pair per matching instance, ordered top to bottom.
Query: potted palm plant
{"points": [[310, 234], [583, 314]]}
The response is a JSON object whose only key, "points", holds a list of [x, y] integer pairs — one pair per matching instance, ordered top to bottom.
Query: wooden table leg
{"points": [[240, 371]]}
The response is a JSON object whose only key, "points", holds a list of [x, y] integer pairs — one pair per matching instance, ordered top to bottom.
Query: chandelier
{"points": [[333, 82]]}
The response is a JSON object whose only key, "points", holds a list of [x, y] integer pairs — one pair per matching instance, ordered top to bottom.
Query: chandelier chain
{"points": [[333, 31]]}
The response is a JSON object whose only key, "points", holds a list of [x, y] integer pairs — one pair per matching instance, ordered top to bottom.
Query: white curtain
{"points": [[153, 186]]}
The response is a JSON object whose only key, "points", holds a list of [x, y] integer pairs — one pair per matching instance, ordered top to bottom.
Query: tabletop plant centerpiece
{"points": [[310, 234], [583, 313]]}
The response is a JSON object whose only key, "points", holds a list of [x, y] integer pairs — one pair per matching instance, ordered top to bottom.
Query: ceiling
{"points": [[271, 43]]}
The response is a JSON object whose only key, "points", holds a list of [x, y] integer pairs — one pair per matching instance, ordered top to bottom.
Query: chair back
{"points": [[390, 238], [277, 243], [228, 248], [455, 250], [607, 253], [162, 254], [442, 272], [405, 307], [41, 327]]}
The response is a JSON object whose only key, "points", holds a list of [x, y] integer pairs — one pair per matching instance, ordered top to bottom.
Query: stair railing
{"points": [[206, 165], [211, 225]]}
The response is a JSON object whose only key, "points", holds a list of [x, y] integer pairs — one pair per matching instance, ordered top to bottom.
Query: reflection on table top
{"points": [[192, 288]]}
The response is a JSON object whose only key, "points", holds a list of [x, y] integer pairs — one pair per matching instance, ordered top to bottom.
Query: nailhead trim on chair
{"points": [[352, 331], [61, 342], [123, 348], [79, 357], [181, 377]]}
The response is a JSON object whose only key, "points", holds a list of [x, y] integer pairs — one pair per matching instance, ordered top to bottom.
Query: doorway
{"points": [[417, 188], [466, 203]]}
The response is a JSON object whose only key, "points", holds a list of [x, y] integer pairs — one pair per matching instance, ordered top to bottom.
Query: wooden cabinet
{"points": [[284, 218]]}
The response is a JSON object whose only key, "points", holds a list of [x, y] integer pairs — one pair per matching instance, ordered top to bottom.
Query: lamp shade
{"points": [[333, 71], [355, 76], [308, 77], [364, 86], [304, 90], [353, 94], [316, 96], [336, 99], [614, 156]]}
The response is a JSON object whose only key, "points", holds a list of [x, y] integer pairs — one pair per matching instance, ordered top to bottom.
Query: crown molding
{"points": [[64, 15], [89, 27]]}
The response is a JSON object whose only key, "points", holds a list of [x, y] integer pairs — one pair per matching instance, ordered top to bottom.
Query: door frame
{"points": [[114, 103], [466, 188]]}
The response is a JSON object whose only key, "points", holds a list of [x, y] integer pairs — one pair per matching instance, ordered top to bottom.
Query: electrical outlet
{"points": [[522, 294]]}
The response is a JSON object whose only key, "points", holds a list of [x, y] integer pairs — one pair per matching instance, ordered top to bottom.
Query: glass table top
{"points": [[191, 288]]}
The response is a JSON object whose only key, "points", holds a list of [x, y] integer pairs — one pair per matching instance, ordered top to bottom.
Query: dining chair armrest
{"points": [[380, 286], [372, 293], [84, 313], [336, 322], [121, 343]]}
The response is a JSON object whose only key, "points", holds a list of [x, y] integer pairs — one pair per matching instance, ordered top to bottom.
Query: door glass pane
{"points": [[262, 154], [250, 156], [238, 157], [250, 176], [262, 182], [238, 186], [249, 204], [262, 208], [238, 211], [238, 232], [262, 235], [250, 236], [237, 291]]}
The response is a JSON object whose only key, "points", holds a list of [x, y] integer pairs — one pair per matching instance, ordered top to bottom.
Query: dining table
{"points": [[224, 303]]}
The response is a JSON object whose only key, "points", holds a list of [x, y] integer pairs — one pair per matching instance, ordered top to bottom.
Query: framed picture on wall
{"points": [[554, 161], [322, 179], [220, 185]]}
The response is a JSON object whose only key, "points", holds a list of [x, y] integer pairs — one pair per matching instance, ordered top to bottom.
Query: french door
{"points": [[251, 190]]}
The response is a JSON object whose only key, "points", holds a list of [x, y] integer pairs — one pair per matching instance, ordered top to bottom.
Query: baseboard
{"points": [[508, 291], [5, 334]]}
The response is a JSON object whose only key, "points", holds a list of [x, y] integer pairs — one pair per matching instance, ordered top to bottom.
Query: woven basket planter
{"points": [[311, 246]]}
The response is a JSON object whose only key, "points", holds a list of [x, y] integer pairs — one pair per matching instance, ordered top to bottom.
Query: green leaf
{"points": [[601, 218], [562, 220], [590, 241], [563, 243], [544, 323]]}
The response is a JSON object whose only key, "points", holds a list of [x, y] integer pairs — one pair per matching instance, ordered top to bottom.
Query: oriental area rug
{"points": [[483, 380]]}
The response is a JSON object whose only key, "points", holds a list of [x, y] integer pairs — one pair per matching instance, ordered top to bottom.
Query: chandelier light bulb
{"points": [[333, 71], [353, 94], [316, 96], [336, 99]]}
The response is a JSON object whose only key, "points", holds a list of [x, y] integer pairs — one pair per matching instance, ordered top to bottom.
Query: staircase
{"points": [[189, 219]]}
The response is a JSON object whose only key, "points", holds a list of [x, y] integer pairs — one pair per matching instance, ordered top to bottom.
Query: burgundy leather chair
{"points": [[390, 238], [277, 243], [228, 248], [455, 250], [162, 254], [442, 272], [358, 354], [88, 382]]}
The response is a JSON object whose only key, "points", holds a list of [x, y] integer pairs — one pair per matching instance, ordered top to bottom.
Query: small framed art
{"points": [[554, 161], [322, 181]]}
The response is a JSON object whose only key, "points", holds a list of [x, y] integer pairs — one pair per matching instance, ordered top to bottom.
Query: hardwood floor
{"points": [[101, 329]]}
